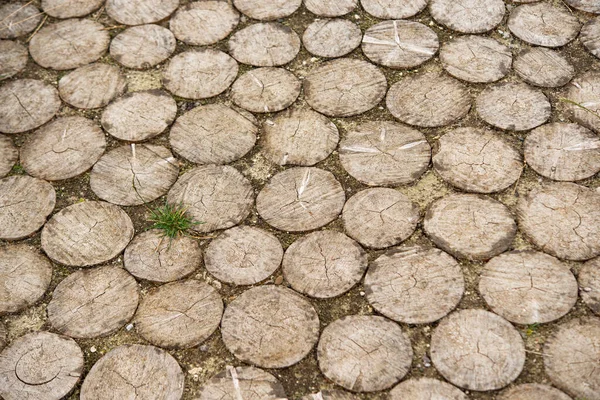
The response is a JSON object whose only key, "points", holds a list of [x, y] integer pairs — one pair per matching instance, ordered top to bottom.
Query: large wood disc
{"points": [[590, 6], [70, 8], [325, 8], [392, 9], [267, 11], [138, 12], [468, 16], [18, 19], [204, 22], [542, 24], [590, 36], [331, 37], [69, 44], [265, 44], [142, 47], [13, 58], [543, 67], [92, 86], [344, 87], [265, 90], [585, 91], [9, 154], [216, 197], [301, 199], [25, 203], [562, 219], [243, 255], [589, 282], [270, 326], [477, 350], [364, 353], [40, 366], [134, 372], [247, 383], [426, 389], [532, 391], [331, 395]]}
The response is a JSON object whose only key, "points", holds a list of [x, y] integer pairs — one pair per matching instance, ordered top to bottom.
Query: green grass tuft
{"points": [[172, 220]]}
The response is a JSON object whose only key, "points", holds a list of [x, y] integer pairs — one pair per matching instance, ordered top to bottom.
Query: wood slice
{"points": [[591, 6], [70, 8], [325, 8], [392, 9], [267, 11], [138, 12], [468, 16], [18, 19], [204, 22], [542, 24], [590, 36], [331, 37], [69, 44], [265, 44], [400, 44], [142, 47], [13, 58], [477, 59], [543, 67], [200, 73], [92, 86], [265, 90], [585, 91], [441, 100], [26, 104], [513, 106], [213, 134], [299, 137], [9, 154], [477, 160], [134, 174], [217, 197], [301, 199], [25, 203], [562, 219], [87, 233], [243, 255], [25, 275], [589, 282], [270, 326], [3, 336], [364, 353], [572, 357], [41, 366], [134, 371], [247, 383], [426, 389], [532, 391], [331, 395]]}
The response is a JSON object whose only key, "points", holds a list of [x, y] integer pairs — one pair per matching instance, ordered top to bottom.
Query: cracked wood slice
{"points": [[591, 6], [70, 8], [326, 8], [392, 9], [267, 10], [138, 12], [468, 16], [18, 19], [204, 22], [542, 24], [590, 36], [331, 38], [69, 44], [264, 44], [142, 47], [13, 58], [543, 67], [199, 73], [92, 86], [344, 87], [265, 90], [585, 92], [428, 100], [299, 136], [9, 154], [477, 160], [134, 174], [217, 197], [301, 199], [25, 203], [243, 255], [589, 283], [270, 326], [3, 336], [364, 353], [40, 366], [134, 371], [247, 383], [426, 389], [532, 391], [331, 395]]}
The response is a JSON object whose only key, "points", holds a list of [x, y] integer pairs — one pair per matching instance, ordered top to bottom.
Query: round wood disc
{"points": [[590, 6], [70, 8], [325, 8], [392, 9], [267, 11], [138, 12], [468, 16], [18, 19], [204, 22], [542, 24], [590, 36], [331, 37], [69, 44], [265, 44], [142, 47], [13, 58], [476, 59], [543, 67], [200, 73], [92, 86], [344, 87], [265, 90], [585, 91], [442, 100], [26, 104], [513, 106], [213, 134], [299, 137], [9, 155], [477, 160], [134, 174], [216, 197], [301, 199], [25, 203], [562, 219], [243, 255], [25, 275], [589, 282], [414, 285], [179, 315], [270, 326], [3, 336], [364, 353], [40, 365], [134, 371], [247, 383], [426, 389], [532, 391], [331, 395]]}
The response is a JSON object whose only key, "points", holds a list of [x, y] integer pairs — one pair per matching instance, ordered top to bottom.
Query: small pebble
{"points": [[279, 280], [587, 289], [129, 327], [93, 349]]}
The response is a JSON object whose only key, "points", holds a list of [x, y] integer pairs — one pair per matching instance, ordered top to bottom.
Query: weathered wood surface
{"points": [[590, 6], [70, 8], [326, 8], [392, 9], [267, 11], [138, 12], [468, 16], [18, 19], [204, 22], [542, 24], [590, 36], [331, 37], [268, 44], [142, 47], [13, 58], [543, 67], [92, 86], [265, 90], [585, 92], [9, 154], [589, 283], [3, 336], [247, 383], [426, 389], [532, 391], [331, 395]]}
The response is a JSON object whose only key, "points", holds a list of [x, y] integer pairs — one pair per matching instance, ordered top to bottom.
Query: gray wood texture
{"points": [[70, 8], [326, 8], [392, 9], [267, 11], [138, 12], [468, 16], [18, 19], [202, 23], [542, 24], [590, 36], [331, 37], [268, 44], [142, 47], [13, 58], [543, 67], [92, 86], [265, 90], [585, 91], [9, 154], [589, 283], [247, 383], [426, 389], [532, 391]]}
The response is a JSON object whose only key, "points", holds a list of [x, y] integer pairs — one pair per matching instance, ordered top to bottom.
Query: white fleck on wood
{"points": [[70, 8], [393, 9], [267, 11], [138, 12], [468, 16], [18, 19], [204, 22], [542, 24], [590, 36], [331, 37], [265, 44], [142, 47], [13, 58], [543, 67], [92, 86], [265, 90], [585, 91], [9, 154], [589, 284], [246, 383], [426, 389], [532, 391]]}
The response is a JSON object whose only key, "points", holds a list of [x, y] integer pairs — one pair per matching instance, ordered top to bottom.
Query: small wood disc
{"points": [[590, 6], [70, 8], [325, 8], [392, 9], [267, 11], [138, 12], [468, 16], [18, 19], [204, 22], [542, 24], [590, 36], [331, 37], [69, 44], [264, 44], [142, 47], [13, 58], [476, 59], [543, 67], [200, 73], [92, 86], [265, 90], [585, 91], [441, 100], [26, 104], [513, 106], [213, 134], [299, 137], [9, 155], [216, 197], [301, 199], [25, 203], [87, 233], [243, 255], [589, 282], [270, 326], [3, 336], [364, 353], [41, 366], [134, 371], [248, 383], [426, 389], [532, 391], [331, 395]]}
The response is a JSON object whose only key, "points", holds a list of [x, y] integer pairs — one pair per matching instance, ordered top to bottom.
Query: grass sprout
{"points": [[172, 219]]}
